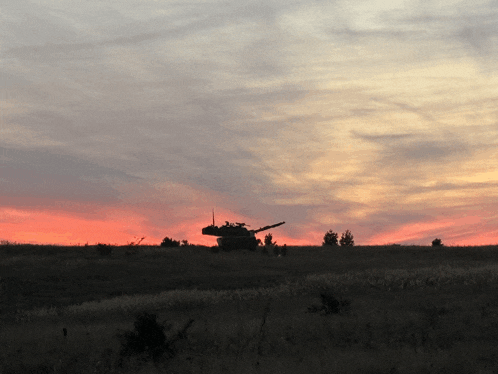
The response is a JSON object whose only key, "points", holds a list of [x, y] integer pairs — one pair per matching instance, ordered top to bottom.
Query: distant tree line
{"points": [[331, 239], [170, 243]]}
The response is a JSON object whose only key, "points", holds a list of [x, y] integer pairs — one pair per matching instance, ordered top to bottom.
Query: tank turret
{"points": [[268, 227], [236, 235]]}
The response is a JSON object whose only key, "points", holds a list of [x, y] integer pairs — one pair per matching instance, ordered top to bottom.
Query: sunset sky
{"points": [[131, 118]]}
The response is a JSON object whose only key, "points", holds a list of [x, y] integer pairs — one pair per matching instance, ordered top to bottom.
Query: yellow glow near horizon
{"points": [[484, 177]]}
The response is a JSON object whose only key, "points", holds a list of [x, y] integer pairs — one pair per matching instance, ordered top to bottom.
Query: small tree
{"points": [[330, 238], [268, 239], [347, 239], [168, 242], [437, 242], [185, 243], [270, 245], [148, 338]]}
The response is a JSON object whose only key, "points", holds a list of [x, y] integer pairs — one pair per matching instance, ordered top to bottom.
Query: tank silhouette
{"points": [[235, 235]]}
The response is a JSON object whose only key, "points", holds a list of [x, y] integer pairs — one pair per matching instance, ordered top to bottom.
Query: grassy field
{"points": [[406, 310]]}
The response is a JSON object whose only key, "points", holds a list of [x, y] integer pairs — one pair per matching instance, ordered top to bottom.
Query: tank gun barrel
{"points": [[268, 227]]}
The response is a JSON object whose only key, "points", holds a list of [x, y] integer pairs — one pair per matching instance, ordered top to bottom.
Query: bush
{"points": [[330, 238], [268, 239], [347, 239], [167, 242], [437, 242], [185, 243], [270, 245], [104, 249], [330, 305], [148, 338], [148, 341]]}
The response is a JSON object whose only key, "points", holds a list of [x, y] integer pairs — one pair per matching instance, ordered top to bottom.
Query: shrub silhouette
{"points": [[330, 238], [268, 239], [347, 239], [168, 242], [437, 242], [270, 244], [104, 249], [330, 305], [148, 338], [149, 341]]}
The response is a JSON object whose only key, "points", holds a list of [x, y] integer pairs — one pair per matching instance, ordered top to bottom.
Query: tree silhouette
{"points": [[330, 238], [269, 239], [347, 239], [168, 242], [437, 242]]}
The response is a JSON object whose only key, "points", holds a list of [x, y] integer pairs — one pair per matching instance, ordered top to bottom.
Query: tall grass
{"points": [[386, 279], [392, 279], [419, 318]]}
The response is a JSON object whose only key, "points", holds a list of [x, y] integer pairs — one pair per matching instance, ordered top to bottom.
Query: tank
{"points": [[235, 235]]}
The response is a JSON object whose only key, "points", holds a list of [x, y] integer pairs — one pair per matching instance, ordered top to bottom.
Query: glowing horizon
{"points": [[63, 229]]}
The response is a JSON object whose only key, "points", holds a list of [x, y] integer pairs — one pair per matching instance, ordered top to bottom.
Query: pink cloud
{"points": [[467, 230]]}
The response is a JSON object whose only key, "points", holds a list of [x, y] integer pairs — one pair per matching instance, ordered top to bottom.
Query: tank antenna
{"points": [[213, 216]]}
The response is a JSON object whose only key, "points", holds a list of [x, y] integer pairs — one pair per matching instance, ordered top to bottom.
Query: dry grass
{"points": [[387, 280], [417, 311]]}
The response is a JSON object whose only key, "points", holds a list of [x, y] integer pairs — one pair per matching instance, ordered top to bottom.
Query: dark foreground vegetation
{"points": [[390, 309]]}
